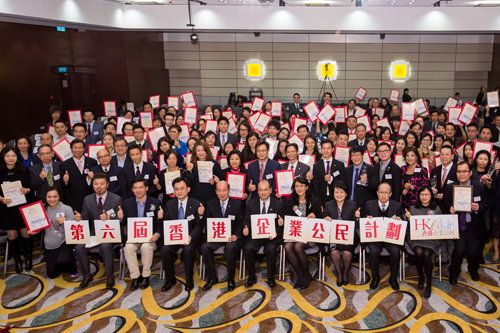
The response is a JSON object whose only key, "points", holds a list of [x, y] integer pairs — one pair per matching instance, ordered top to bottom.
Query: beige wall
{"points": [[441, 65]]}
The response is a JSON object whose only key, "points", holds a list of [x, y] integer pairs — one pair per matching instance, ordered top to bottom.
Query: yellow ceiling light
{"points": [[327, 69], [254, 70], [400, 71]]}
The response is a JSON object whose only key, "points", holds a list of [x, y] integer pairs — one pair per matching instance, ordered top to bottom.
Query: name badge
{"points": [[96, 133], [417, 169], [86, 171], [336, 173], [146, 176], [269, 176], [389, 176], [57, 177], [113, 179], [449, 182], [478, 198], [297, 211], [111, 212], [150, 214], [60, 215], [190, 217], [232, 217]]}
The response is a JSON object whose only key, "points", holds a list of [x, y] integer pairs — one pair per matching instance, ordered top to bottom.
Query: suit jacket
{"points": [[294, 111], [428, 127], [96, 133], [229, 138], [355, 143], [145, 145], [114, 161], [254, 170], [300, 171], [148, 173], [116, 176], [393, 176], [450, 177], [40, 185], [319, 185], [77, 187], [362, 193], [152, 205], [312, 206], [253, 208], [372, 209], [234, 210], [90, 211], [347, 212], [195, 221]]}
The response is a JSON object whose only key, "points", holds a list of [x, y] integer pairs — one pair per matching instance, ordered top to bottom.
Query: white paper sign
{"points": [[360, 94], [394, 95], [492, 97], [188, 98], [155, 101], [173, 101], [450, 103], [257, 104], [420, 106], [110, 108], [276, 109], [312, 110], [408, 112], [327, 113], [468, 113], [190, 114], [340, 114], [453, 114], [75, 116], [146, 119], [262, 122], [298, 122], [211, 125], [154, 135], [295, 139], [62, 149], [342, 154], [205, 171], [11, 190], [263, 225], [434, 227], [139, 229], [218, 229], [382, 229], [108, 231], [76, 232], [176, 232], [342, 232]]}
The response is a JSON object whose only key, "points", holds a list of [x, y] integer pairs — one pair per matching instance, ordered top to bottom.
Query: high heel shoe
{"points": [[28, 265], [19, 266], [340, 282]]}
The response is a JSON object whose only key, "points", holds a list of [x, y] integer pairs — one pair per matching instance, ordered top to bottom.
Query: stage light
{"points": [[194, 38], [254, 70], [327, 70], [400, 71]]}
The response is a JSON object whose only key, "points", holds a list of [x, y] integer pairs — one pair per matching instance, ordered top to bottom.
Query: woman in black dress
{"points": [[11, 170], [340, 208]]}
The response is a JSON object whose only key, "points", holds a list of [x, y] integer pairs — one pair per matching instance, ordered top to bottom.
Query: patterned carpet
{"points": [[33, 303]]}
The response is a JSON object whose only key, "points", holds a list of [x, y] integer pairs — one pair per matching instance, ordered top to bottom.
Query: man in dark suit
{"points": [[295, 108], [431, 124], [95, 130], [223, 136], [139, 137], [360, 140], [121, 158], [262, 168], [139, 169], [299, 169], [75, 170], [388, 171], [325, 172], [45, 174], [115, 174], [443, 175], [361, 179], [263, 204], [101, 205], [141, 205], [183, 207], [224, 207], [384, 207], [471, 224]]}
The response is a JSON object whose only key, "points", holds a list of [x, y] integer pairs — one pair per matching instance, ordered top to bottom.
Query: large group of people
{"points": [[389, 171]]}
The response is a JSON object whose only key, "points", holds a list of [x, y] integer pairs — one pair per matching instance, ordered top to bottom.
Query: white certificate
{"points": [[360, 94], [394, 95], [188, 98], [492, 98], [155, 101], [173, 101], [450, 103], [257, 104], [130, 106], [420, 106], [110, 108], [276, 109], [312, 110], [408, 111], [359, 112], [380, 112], [468, 113], [190, 114], [228, 114], [326, 114], [340, 114], [453, 114], [75, 116], [146, 119], [252, 120], [365, 120], [262, 122], [298, 122], [384, 122], [119, 124], [211, 125], [232, 126], [404, 127], [154, 135], [184, 135], [129, 138], [295, 139], [482, 145], [273, 147], [62, 149], [93, 149], [215, 151], [342, 154], [308, 159], [399, 160], [223, 162], [205, 171], [169, 178], [284, 181], [237, 182], [11, 190], [462, 198], [35, 217], [263, 225], [434, 227], [139, 229], [218, 229], [108, 231], [76, 232], [176, 232], [342, 232]]}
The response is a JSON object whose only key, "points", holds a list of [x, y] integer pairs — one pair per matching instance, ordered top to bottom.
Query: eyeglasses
{"points": [[383, 151], [463, 171]]}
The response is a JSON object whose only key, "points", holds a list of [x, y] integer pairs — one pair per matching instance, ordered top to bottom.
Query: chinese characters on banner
{"points": [[263, 226], [434, 227], [139, 229], [218, 229], [303, 229], [382, 229], [107, 231], [77, 232], [176, 232]]}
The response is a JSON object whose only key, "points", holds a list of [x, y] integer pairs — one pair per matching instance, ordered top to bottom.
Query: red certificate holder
{"points": [[277, 176], [240, 177], [26, 222]]}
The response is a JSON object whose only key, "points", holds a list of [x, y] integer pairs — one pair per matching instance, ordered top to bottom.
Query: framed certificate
{"points": [[360, 94], [394, 95], [188, 98], [492, 98], [155, 101], [173, 101], [450, 103], [257, 104], [246, 105], [420, 106], [109, 108], [276, 109], [312, 110], [359, 112], [380, 112], [408, 112], [468, 113], [228, 114], [326, 114], [340, 114], [453, 114], [190, 115], [207, 116], [74, 117], [146, 119], [252, 120], [365, 120], [384, 122], [261, 123], [119, 124], [211, 125], [404, 127], [154, 135], [184, 135], [129, 138], [295, 139], [482, 145], [62, 149], [93, 149], [307, 159], [205, 171], [284, 181], [236, 183], [462, 198], [35, 217]]}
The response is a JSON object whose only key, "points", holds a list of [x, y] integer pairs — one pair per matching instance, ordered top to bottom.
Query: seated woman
{"points": [[301, 203], [340, 208], [424, 249]]}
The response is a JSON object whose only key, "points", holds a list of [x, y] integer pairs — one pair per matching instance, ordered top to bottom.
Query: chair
{"points": [[4, 239], [316, 249], [409, 250], [261, 251], [362, 262], [123, 264]]}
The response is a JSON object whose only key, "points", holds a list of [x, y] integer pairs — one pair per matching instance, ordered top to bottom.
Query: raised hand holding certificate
{"points": [[188, 98], [492, 98], [311, 110], [468, 113], [326, 114], [62, 149], [205, 171], [169, 178], [284, 181], [236, 183], [12, 191], [462, 198], [35, 217]]}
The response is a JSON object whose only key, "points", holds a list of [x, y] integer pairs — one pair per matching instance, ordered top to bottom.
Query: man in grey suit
{"points": [[95, 130], [292, 153], [45, 174], [101, 205]]}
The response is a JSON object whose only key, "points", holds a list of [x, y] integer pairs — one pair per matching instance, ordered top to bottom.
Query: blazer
{"points": [[294, 111], [96, 133], [229, 138], [355, 143], [145, 145], [114, 161], [254, 171], [300, 171], [148, 173], [393, 176], [116, 177], [450, 177], [40, 185], [319, 185], [77, 187], [204, 191], [362, 193], [152, 205], [312, 206], [253, 208], [372, 209], [234, 210], [90, 211], [347, 212], [195, 221]]}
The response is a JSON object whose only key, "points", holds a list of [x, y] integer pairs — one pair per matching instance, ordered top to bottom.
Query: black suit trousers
{"points": [[253, 246], [394, 251], [231, 253]]}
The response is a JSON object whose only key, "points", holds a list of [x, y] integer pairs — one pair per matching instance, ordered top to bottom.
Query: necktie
{"points": [[297, 105], [89, 130], [223, 140], [80, 167], [327, 167], [293, 169], [106, 170], [137, 171], [261, 173], [50, 177], [443, 177], [354, 180], [99, 205], [223, 208], [263, 208], [383, 208], [339, 214], [180, 215]]}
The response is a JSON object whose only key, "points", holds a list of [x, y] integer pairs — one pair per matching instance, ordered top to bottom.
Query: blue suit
{"points": [[96, 133], [254, 171]]}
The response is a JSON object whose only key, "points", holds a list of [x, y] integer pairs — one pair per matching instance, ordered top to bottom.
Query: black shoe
{"points": [[28, 265], [19, 266], [474, 276], [453, 279], [85, 282], [110, 282], [250, 282], [346, 282], [144, 283], [271, 283], [339, 283], [135, 284], [209, 284], [374, 284], [394, 284], [420, 284], [189, 285], [230, 285], [296, 285], [167, 286], [304, 286], [427, 292]]}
